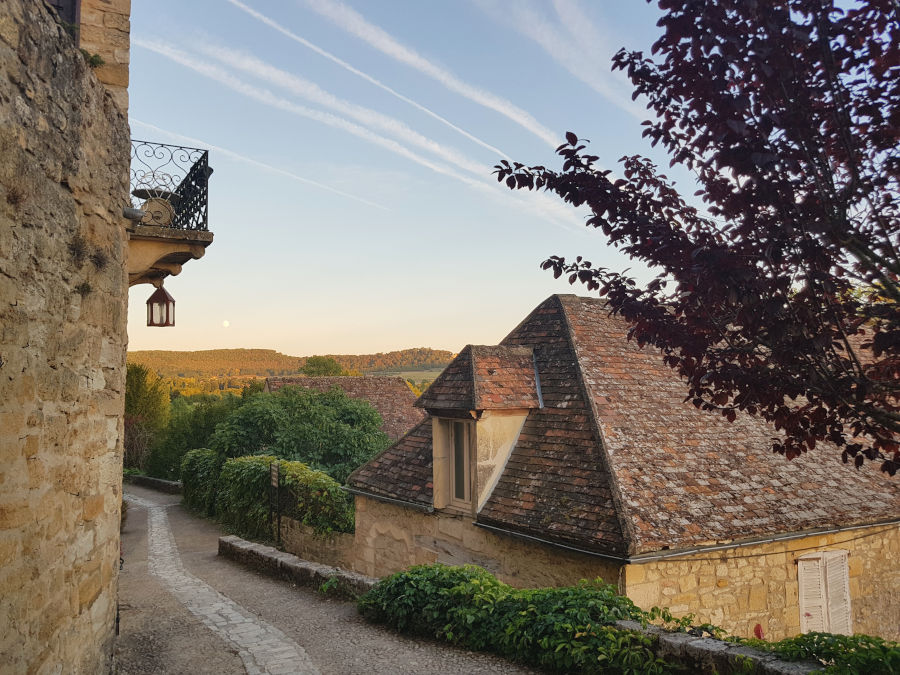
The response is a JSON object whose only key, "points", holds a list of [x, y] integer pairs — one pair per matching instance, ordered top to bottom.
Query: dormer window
{"points": [[478, 407], [454, 443], [461, 459]]}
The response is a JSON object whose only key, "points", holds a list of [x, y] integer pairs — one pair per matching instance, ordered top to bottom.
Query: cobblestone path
{"points": [[186, 611], [262, 647]]}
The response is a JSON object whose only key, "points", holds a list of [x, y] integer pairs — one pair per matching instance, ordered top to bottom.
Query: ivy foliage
{"points": [[328, 431], [199, 480], [237, 492], [561, 629], [840, 654]]}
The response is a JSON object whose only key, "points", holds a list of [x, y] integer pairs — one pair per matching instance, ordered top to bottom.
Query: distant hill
{"points": [[267, 362]]}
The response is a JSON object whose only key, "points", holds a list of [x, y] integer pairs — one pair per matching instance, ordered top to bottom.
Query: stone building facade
{"points": [[64, 155], [568, 453]]}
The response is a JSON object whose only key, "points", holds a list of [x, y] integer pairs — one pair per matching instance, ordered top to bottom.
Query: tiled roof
{"points": [[484, 378], [454, 388], [390, 396], [616, 462], [403, 471], [688, 477]]}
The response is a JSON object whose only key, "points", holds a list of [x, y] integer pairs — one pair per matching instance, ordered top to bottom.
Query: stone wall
{"points": [[106, 30], [64, 153], [390, 538], [335, 549], [739, 588]]}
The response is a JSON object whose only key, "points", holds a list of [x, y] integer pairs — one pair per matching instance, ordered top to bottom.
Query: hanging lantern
{"points": [[161, 308]]}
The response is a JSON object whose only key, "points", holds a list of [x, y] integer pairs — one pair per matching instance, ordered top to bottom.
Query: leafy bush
{"points": [[146, 412], [191, 425], [329, 431], [199, 479], [311, 497], [315, 499], [242, 503], [561, 629], [842, 654]]}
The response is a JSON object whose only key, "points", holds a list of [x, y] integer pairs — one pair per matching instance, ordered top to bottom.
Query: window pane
{"points": [[459, 460]]}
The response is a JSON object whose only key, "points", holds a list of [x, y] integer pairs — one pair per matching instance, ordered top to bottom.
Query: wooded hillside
{"points": [[267, 362]]}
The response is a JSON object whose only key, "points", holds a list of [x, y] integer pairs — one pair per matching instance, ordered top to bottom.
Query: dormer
{"points": [[478, 406]]}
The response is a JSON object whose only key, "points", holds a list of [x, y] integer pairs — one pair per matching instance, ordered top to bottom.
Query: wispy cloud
{"points": [[354, 23], [572, 40], [251, 65], [359, 73], [266, 97], [253, 162], [531, 202]]}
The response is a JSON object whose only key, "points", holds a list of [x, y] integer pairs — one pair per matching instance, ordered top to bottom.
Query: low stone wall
{"points": [[172, 487], [333, 549], [289, 567]]}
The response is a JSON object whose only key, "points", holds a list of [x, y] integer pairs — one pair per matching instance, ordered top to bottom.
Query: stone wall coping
{"points": [[172, 487], [288, 566], [705, 654]]}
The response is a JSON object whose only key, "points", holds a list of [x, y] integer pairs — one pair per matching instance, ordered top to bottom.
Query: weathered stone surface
{"points": [[106, 30], [64, 153], [757, 584]]}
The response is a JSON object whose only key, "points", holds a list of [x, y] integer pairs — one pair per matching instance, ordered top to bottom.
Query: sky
{"points": [[353, 203]]}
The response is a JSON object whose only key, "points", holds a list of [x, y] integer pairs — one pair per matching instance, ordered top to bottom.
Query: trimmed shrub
{"points": [[199, 479], [312, 497], [315, 499], [242, 504], [560, 629]]}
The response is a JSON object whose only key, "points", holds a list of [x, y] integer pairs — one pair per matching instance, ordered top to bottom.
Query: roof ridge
{"points": [[626, 524]]}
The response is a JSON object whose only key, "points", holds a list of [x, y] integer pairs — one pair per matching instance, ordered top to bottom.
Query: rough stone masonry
{"points": [[64, 153]]}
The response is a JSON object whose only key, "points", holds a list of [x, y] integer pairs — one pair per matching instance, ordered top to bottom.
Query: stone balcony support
{"points": [[157, 252]]}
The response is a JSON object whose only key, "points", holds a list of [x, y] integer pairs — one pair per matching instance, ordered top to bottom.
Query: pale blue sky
{"points": [[352, 203]]}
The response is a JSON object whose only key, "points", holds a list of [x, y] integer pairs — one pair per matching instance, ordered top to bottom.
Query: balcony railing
{"points": [[169, 183]]}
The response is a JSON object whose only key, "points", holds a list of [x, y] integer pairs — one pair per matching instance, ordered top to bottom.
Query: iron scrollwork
{"points": [[170, 184]]}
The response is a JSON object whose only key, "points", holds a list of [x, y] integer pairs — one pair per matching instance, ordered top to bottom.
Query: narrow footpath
{"points": [[185, 610]]}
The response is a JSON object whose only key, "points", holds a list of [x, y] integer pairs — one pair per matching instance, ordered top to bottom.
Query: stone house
{"points": [[67, 258], [390, 396], [566, 452]]}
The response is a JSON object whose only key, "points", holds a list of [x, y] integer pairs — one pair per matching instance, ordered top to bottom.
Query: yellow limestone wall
{"points": [[106, 30], [64, 153], [390, 538], [738, 588]]}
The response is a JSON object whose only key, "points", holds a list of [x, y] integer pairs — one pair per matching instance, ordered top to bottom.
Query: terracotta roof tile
{"points": [[403, 471]]}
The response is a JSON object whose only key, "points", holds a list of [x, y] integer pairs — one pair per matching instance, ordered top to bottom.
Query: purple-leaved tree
{"points": [[780, 298]]}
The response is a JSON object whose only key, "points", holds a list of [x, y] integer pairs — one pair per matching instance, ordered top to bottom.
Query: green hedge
{"points": [[199, 480], [312, 497], [560, 629]]}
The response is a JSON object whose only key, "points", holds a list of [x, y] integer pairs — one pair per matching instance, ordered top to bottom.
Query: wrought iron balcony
{"points": [[169, 183]]}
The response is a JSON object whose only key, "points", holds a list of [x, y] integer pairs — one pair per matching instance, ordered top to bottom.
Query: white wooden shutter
{"points": [[837, 589], [813, 612]]}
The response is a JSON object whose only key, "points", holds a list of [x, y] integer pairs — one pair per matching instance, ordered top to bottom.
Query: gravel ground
{"points": [[159, 635]]}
